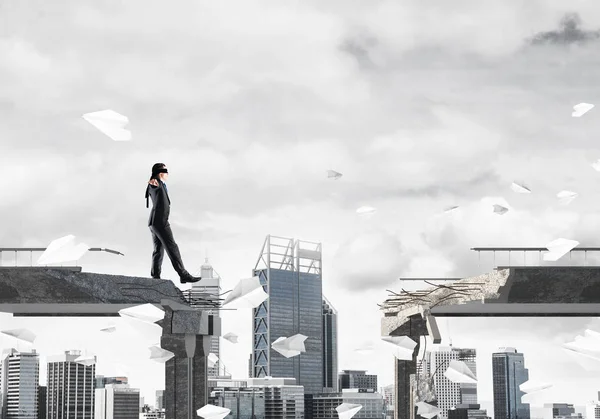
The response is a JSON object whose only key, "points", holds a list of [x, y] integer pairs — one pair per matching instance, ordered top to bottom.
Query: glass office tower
{"points": [[290, 272], [509, 372]]}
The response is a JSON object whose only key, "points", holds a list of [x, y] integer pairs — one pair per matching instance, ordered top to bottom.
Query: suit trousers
{"points": [[163, 239]]}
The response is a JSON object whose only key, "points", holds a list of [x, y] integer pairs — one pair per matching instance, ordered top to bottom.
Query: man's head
{"points": [[159, 171]]}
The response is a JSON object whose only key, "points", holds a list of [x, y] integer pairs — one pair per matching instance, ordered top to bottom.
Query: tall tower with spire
{"points": [[211, 284]]}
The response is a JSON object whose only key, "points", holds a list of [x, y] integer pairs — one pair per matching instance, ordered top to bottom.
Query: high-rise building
{"points": [[290, 272], [210, 285], [330, 348], [508, 373], [357, 379], [20, 382], [70, 387], [42, 391], [449, 394], [253, 398], [159, 399], [117, 401], [323, 405], [467, 411], [560, 411]]}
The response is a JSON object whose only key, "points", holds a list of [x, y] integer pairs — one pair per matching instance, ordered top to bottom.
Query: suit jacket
{"points": [[161, 204]]}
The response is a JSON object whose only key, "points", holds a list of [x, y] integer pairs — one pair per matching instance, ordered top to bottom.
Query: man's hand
{"points": [[153, 182]]}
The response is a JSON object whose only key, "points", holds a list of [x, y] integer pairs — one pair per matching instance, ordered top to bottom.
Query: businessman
{"points": [[162, 236]]}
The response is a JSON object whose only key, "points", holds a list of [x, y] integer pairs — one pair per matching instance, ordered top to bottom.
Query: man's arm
{"points": [[153, 182]]}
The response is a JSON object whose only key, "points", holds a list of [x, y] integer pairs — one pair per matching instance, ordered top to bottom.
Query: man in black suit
{"points": [[162, 236]]}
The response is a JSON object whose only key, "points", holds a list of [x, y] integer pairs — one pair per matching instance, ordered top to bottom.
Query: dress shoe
{"points": [[187, 277]]}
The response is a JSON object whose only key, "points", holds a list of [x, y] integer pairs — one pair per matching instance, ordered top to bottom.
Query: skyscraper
{"points": [[290, 272], [210, 284], [330, 348], [508, 373], [20, 382], [70, 391], [450, 394]]}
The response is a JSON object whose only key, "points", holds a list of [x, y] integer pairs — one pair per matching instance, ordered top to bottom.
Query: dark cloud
{"points": [[569, 33]]}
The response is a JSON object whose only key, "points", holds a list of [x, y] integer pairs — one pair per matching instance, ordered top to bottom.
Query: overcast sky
{"points": [[249, 102]]}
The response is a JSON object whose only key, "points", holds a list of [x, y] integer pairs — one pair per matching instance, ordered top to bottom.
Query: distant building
{"points": [[211, 285], [330, 348], [508, 373], [349, 379], [102, 381], [19, 382], [70, 387], [42, 392], [388, 394], [268, 398], [159, 399], [117, 401], [372, 404], [467, 411], [560, 411], [153, 414]]}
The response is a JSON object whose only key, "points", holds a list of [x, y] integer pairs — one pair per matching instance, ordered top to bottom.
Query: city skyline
{"points": [[419, 108]]}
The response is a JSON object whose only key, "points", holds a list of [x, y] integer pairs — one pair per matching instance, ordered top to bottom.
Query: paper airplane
{"points": [[581, 109], [110, 123], [596, 165], [333, 174], [519, 188], [566, 197], [450, 209], [499, 209], [366, 210], [558, 248], [63, 250], [248, 293], [148, 313], [109, 329], [21, 334], [231, 337], [403, 346], [289, 347], [159, 354], [86, 360], [212, 360], [459, 372], [347, 410], [427, 410], [213, 412]]}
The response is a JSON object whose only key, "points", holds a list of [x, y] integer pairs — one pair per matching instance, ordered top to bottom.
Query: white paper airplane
{"points": [[581, 109], [110, 123], [596, 165], [333, 174], [518, 188], [566, 197], [450, 209], [500, 210], [366, 211], [558, 248], [63, 250], [248, 293], [148, 313], [21, 334], [231, 337], [402, 346], [289, 347], [159, 354], [86, 360], [212, 360], [459, 372], [532, 386], [347, 410], [426, 410], [213, 412]]}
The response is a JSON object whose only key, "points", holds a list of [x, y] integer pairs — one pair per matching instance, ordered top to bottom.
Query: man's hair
{"points": [[155, 169]]}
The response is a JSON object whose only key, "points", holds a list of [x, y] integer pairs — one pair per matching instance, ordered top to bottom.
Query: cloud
{"points": [[569, 33]]}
